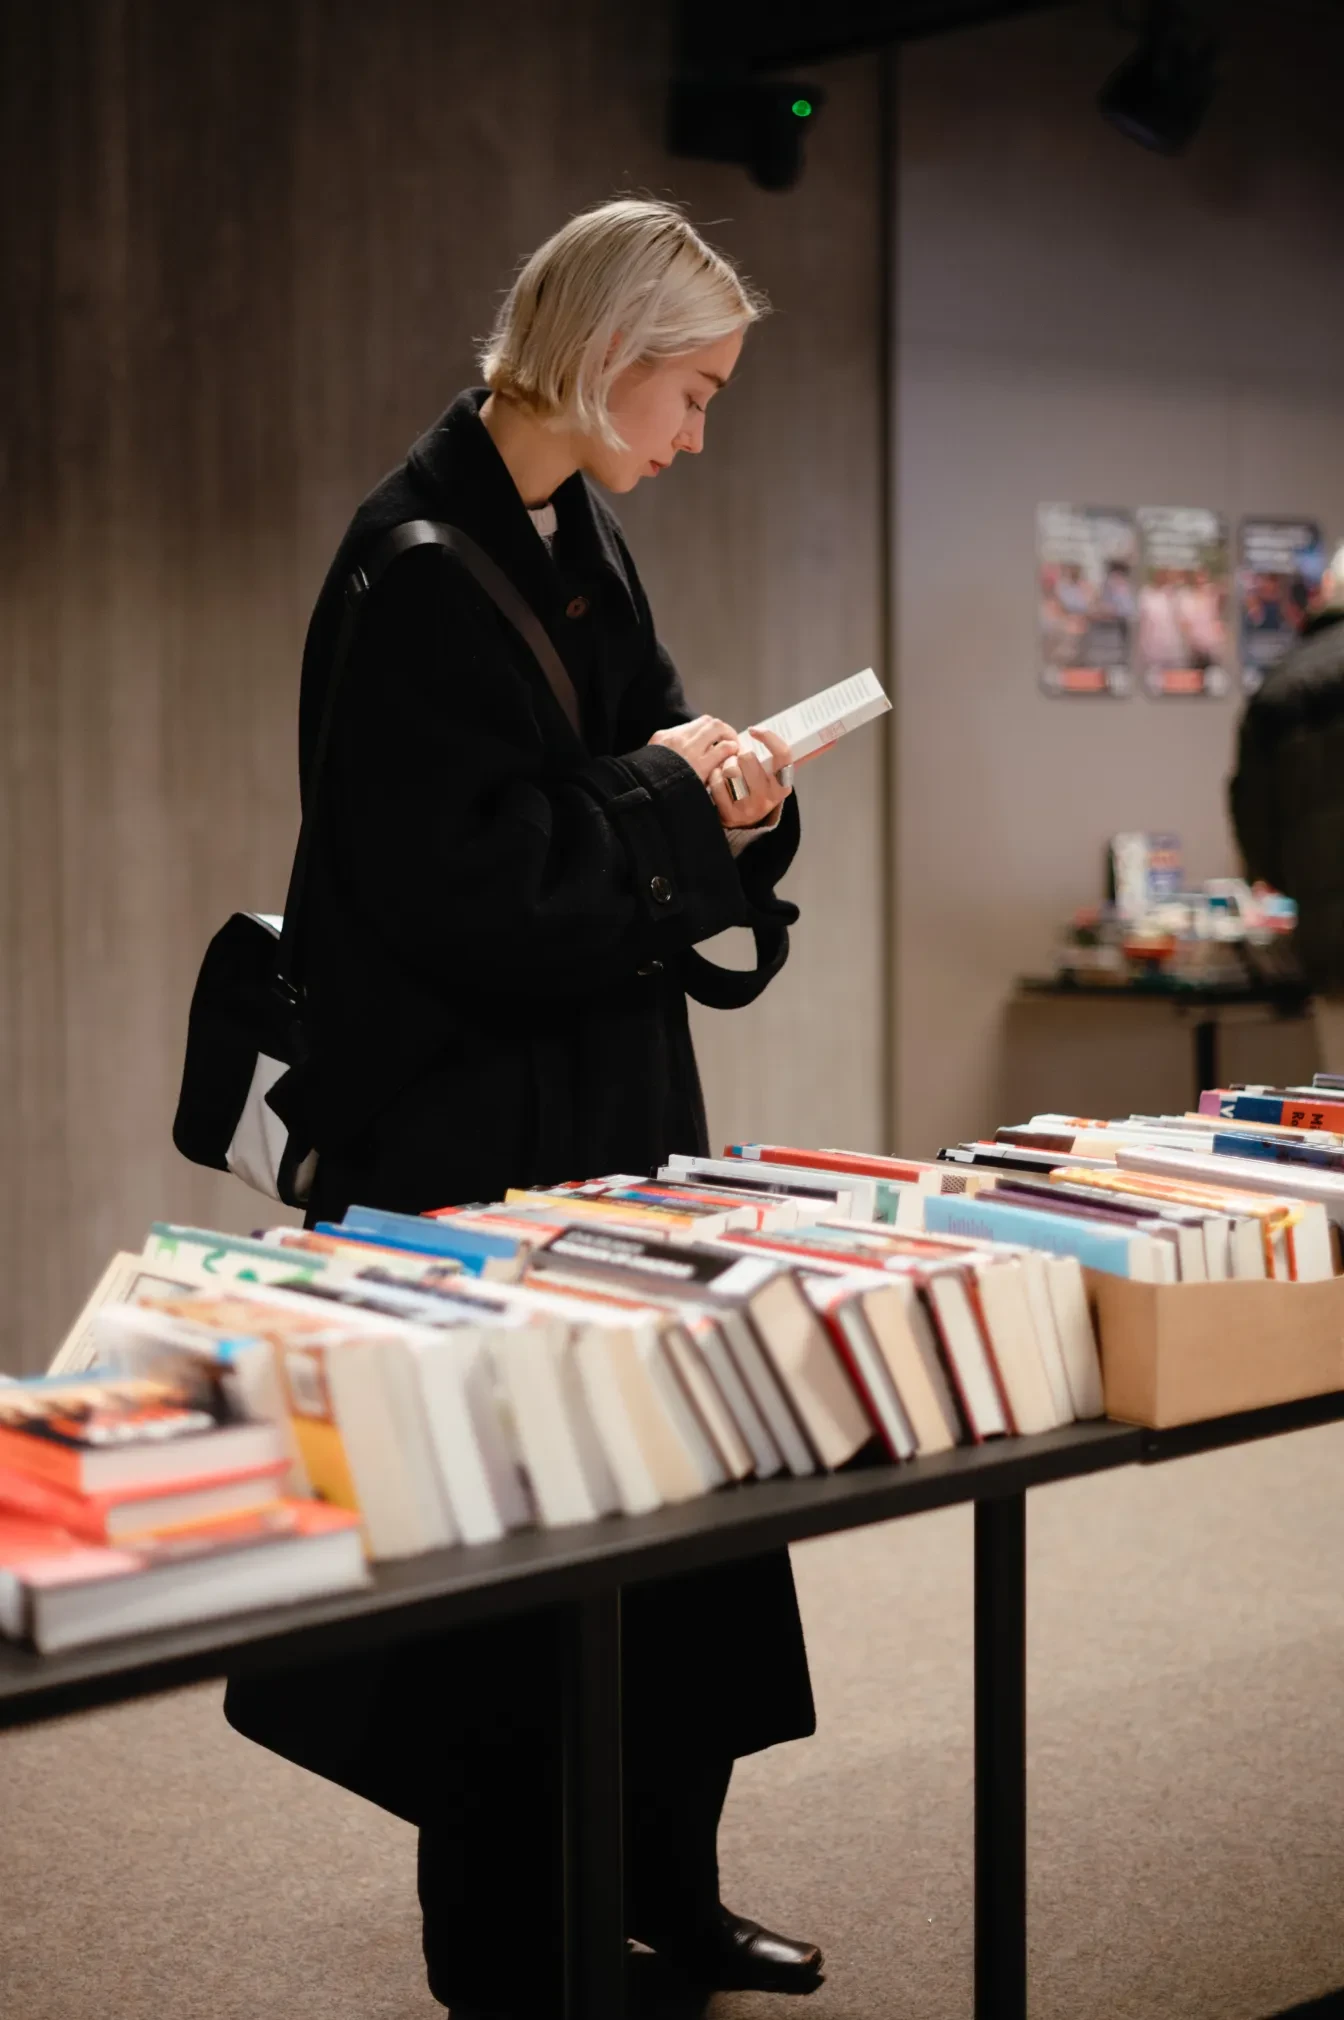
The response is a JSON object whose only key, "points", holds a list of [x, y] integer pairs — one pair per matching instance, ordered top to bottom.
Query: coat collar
{"points": [[457, 467]]}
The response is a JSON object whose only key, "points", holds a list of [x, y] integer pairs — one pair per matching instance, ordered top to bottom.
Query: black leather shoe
{"points": [[741, 1956]]}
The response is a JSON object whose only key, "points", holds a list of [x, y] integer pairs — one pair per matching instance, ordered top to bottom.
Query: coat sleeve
{"points": [[656, 701], [1253, 805], [459, 844]]}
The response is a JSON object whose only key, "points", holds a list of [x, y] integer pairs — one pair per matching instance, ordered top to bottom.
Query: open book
{"points": [[812, 724]]}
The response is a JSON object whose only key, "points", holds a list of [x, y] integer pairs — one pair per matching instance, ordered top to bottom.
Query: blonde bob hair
{"points": [[624, 283]]}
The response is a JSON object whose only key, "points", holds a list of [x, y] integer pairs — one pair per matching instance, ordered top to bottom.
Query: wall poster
{"points": [[1086, 562], [1278, 587], [1183, 596]]}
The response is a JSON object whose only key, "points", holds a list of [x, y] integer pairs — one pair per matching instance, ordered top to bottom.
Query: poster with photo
{"points": [[1086, 562], [1278, 587], [1183, 596]]}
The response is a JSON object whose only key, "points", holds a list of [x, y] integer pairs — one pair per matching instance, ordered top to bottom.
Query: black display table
{"points": [[1285, 999], [584, 1570]]}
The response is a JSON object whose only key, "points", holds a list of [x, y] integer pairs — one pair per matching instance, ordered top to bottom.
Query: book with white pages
{"points": [[812, 725], [1249, 1174], [828, 1192], [1293, 1233], [124, 1280], [737, 1289], [841, 1303], [1002, 1315], [1012, 1328], [706, 1330], [904, 1330], [1073, 1335], [683, 1339], [962, 1339], [538, 1384], [349, 1389], [725, 1402], [463, 1415], [658, 1450], [567, 1468]]}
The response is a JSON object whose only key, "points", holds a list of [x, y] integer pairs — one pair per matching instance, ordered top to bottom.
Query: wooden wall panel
{"points": [[249, 246], [1081, 319]]}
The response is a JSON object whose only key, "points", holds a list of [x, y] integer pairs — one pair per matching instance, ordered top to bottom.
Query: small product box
{"points": [[1182, 1353]]}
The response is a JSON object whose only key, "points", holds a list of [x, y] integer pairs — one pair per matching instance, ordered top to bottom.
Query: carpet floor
{"points": [[1186, 1791]]}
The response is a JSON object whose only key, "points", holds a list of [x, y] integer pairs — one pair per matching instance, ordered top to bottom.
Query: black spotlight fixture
{"points": [[1159, 95], [758, 122]]}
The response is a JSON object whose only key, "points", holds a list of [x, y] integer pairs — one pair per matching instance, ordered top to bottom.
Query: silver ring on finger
{"points": [[785, 776]]}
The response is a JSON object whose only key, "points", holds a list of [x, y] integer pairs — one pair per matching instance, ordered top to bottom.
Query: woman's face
{"points": [[659, 409]]}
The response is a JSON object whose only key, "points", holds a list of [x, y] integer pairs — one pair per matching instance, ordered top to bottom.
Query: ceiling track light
{"points": [[1160, 94], [758, 122]]}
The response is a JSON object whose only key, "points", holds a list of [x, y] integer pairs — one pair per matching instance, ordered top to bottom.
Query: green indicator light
{"points": [[801, 108]]}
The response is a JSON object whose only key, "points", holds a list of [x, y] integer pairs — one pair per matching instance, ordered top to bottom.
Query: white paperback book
{"points": [[820, 720], [462, 1416]]}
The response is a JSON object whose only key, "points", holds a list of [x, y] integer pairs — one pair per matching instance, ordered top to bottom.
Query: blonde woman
{"points": [[507, 895]]}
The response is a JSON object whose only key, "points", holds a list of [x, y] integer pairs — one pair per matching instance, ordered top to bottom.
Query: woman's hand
{"points": [[704, 743], [765, 792]]}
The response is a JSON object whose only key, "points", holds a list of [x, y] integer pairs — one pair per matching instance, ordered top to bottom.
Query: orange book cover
{"points": [[570, 1206], [49, 1428], [133, 1510], [39, 1554]]}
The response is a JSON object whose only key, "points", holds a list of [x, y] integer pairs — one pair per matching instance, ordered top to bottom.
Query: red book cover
{"points": [[859, 1162], [973, 1294], [825, 1308]]}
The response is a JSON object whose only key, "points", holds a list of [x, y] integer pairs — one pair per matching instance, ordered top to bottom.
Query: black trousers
{"points": [[490, 1876]]}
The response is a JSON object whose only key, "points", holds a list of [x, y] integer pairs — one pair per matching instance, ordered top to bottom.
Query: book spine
{"points": [[1328, 1115], [1223, 1144], [985, 1220], [407, 1230], [457, 1247]]}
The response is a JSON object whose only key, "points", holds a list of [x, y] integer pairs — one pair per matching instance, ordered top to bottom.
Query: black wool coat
{"points": [[1287, 797], [504, 919], [500, 944]]}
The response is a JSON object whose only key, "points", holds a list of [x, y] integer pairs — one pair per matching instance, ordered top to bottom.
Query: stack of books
{"points": [[1251, 1185], [403, 1383], [234, 1421], [139, 1500]]}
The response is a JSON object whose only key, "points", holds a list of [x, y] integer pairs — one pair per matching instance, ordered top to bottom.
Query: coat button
{"points": [[577, 607], [660, 890], [650, 968]]}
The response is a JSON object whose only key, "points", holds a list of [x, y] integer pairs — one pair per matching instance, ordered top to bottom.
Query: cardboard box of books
{"points": [[1211, 1243], [1179, 1353]]}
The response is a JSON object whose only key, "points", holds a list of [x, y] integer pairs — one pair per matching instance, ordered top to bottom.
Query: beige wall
{"points": [[247, 249], [1080, 320]]}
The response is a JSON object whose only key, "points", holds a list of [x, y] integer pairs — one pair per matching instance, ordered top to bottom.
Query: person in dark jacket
{"points": [[1287, 798], [502, 936]]}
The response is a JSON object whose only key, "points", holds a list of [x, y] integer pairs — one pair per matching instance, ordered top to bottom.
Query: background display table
{"points": [[1117, 1048]]}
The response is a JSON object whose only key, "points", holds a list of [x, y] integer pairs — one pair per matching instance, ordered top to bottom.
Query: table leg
{"points": [[1206, 1056], [1001, 1758], [594, 1886]]}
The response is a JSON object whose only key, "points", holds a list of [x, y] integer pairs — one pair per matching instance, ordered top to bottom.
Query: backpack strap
{"points": [[507, 600]]}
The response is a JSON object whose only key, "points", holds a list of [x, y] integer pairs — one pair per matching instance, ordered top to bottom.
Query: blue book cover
{"points": [[1251, 1107], [1277, 1150], [986, 1219], [471, 1246]]}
